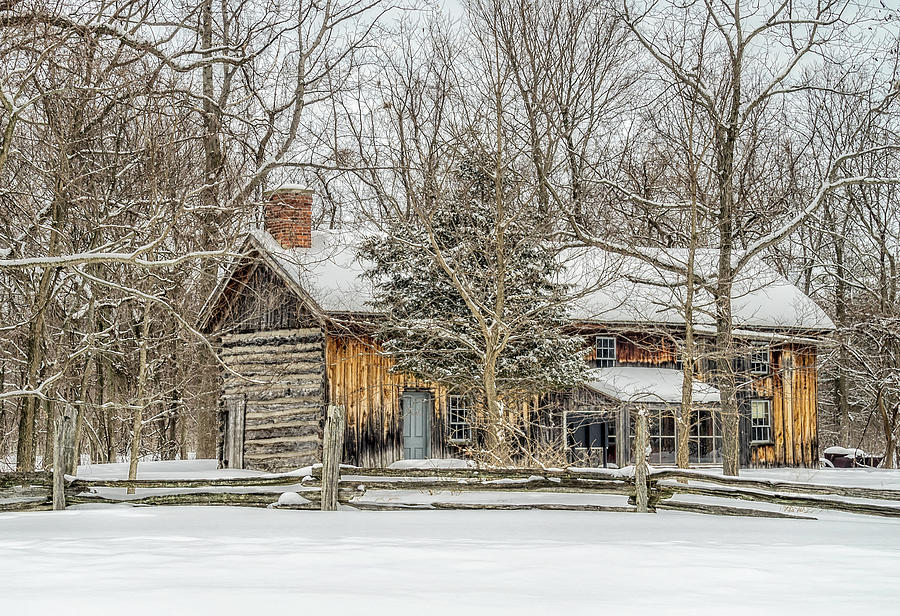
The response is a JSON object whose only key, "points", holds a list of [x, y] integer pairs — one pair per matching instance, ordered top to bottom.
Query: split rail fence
{"points": [[332, 484], [665, 489]]}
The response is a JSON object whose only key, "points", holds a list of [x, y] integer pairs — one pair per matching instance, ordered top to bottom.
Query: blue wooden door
{"points": [[417, 408]]}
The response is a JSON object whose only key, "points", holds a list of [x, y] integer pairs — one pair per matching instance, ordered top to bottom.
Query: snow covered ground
{"points": [[225, 560]]}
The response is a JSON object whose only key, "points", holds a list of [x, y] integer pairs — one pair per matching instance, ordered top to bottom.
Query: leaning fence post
{"points": [[641, 439], [332, 448], [63, 453]]}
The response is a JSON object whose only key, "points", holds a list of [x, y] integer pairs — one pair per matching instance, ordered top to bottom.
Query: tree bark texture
{"points": [[141, 402], [641, 442]]}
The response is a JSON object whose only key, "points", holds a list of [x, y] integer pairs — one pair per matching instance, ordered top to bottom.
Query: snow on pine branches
{"points": [[468, 284]]}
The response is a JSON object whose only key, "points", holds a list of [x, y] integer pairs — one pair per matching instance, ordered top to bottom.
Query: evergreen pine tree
{"points": [[470, 286]]}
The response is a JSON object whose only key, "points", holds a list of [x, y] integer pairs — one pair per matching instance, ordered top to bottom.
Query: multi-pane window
{"points": [[606, 351], [760, 360], [458, 413], [761, 421], [662, 436], [705, 440]]}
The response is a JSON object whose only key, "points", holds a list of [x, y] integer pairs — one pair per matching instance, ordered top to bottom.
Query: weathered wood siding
{"points": [[256, 299], [639, 349], [288, 368], [359, 378], [273, 384], [792, 388], [279, 390]]}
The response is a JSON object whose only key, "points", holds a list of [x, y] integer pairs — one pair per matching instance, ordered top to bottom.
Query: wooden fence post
{"points": [[641, 439], [332, 449], [63, 453]]}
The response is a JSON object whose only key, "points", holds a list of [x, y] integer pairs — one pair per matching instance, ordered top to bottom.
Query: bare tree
{"points": [[737, 63], [135, 137]]}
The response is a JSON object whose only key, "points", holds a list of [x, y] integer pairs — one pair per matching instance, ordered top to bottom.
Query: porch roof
{"points": [[648, 385]]}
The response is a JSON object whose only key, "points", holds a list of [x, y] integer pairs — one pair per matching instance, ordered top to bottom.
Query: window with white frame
{"points": [[606, 351], [679, 358], [760, 360], [459, 410], [761, 421]]}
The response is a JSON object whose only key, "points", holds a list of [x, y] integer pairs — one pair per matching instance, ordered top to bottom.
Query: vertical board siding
{"points": [[256, 299], [289, 368], [360, 378], [792, 389], [806, 393]]}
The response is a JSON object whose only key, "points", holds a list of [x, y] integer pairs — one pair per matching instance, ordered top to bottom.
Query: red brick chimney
{"points": [[288, 216]]}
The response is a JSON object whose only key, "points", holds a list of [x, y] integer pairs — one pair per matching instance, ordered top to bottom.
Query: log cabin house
{"points": [[295, 331]]}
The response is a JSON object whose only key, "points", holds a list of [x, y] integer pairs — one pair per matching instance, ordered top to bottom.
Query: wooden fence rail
{"points": [[778, 486], [33, 491]]}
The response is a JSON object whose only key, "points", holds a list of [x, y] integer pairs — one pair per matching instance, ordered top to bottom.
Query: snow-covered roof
{"points": [[330, 271], [607, 288], [612, 288], [632, 384], [844, 451]]}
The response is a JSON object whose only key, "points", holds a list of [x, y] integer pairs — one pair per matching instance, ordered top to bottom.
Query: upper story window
{"points": [[606, 351], [678, 357], [760, 360], [459, 410], [761, 421]]}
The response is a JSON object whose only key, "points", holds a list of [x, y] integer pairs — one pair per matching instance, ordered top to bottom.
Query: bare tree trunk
{"points": [[726, 144], [725, 380], [842, 390], [141, 402], [2, 408], [79, 414], [685, 416], [889, 425], [207, 429], [182, 435], [49, 438], [495, 441], [641, 441], [106, 444], [25, 453]]}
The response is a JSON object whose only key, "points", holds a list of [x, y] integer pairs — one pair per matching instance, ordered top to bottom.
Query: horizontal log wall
{"points": [[284, 385], [280, 388]]}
